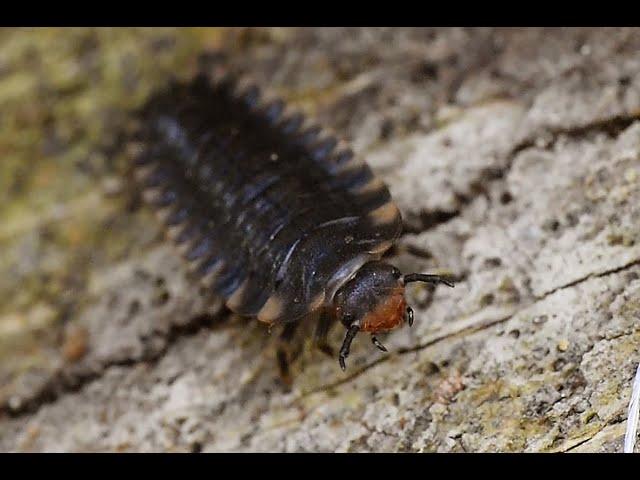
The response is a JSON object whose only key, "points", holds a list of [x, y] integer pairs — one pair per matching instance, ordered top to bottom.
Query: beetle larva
{"points": [[275, 217]]}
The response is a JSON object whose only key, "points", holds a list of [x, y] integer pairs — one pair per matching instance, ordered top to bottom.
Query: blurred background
{"points": [[512, 154]]}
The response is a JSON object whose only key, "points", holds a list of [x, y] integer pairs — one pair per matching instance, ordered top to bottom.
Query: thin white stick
{"points": [[632, 415]]}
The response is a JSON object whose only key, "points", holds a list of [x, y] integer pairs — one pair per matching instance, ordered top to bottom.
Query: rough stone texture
{"points": [[514, 156]]}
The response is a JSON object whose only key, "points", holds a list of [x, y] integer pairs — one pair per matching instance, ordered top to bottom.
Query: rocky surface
{"points": [[514, 156]]}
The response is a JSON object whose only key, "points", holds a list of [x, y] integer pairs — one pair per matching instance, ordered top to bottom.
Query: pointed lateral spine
{"points": [[220, 78], [248, 92], [273, 110], [291, 122], [309, 134], [322, 149]]}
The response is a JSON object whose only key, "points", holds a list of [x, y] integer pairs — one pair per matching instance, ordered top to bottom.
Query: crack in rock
{"points": [[69, 381]]}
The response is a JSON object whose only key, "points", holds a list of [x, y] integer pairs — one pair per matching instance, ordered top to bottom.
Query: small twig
{"points": [[632, 415]]}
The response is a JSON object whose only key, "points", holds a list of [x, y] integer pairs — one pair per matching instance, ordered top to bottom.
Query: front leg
{"points": [[322, 330], [284, 353]]}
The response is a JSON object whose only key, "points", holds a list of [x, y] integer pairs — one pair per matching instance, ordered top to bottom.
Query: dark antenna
{"points": [[427, 278], [346, 345]]}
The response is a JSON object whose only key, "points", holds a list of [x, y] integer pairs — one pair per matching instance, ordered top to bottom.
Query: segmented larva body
{"points": [[271, 213]]}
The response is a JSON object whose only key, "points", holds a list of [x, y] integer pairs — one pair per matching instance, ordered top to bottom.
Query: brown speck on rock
{"points": [[75, 344]]}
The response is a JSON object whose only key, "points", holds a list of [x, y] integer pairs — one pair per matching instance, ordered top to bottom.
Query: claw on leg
{"points": [[410, 316], [377, 343], [346, 345], [284, 355], [283, 366]]}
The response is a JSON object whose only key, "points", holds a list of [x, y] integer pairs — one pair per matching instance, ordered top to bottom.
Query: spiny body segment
{"points": [[273, 215]]}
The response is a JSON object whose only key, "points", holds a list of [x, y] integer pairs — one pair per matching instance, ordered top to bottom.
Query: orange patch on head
{"points": [[387, 315]]}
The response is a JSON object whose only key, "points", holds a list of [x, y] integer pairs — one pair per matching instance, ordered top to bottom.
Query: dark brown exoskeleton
{"points": [[271, 214]]}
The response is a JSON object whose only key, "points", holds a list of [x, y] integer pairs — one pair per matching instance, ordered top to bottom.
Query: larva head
{"points": [[373, 301]]}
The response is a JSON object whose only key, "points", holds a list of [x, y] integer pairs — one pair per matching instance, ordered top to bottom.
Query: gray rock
{"points": [[514, 156]]}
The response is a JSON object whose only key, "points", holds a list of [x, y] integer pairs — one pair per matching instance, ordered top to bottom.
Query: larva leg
{"points": [[322, 329], [284, 354]]}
